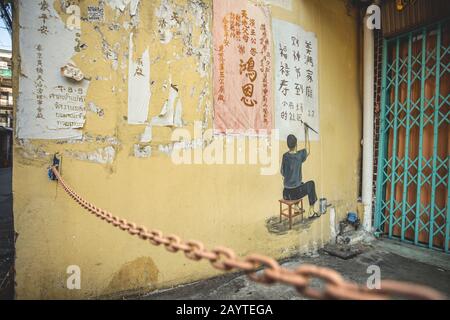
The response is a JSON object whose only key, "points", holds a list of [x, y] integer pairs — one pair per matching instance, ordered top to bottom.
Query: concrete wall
{"points": [[217, 204]]}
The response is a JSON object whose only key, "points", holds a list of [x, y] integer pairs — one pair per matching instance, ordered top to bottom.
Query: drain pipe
{"points": [[368, 125]]}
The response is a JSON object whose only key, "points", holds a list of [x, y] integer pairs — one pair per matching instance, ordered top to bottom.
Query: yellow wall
{"points": [[217, 204]]}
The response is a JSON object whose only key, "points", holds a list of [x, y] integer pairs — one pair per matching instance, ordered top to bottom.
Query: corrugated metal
{"points": [[415, 14]]}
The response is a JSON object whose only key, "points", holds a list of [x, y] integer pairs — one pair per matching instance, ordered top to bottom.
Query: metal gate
{"points": [[412, 195]]}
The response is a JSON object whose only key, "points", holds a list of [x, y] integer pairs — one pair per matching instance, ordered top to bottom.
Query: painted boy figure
{"points": [[291, 170]]}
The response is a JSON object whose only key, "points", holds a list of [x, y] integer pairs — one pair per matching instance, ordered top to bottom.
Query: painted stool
{"points": [[291, 212]]}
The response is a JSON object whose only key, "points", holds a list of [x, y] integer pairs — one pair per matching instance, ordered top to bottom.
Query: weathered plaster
{"points": [[128, 171]]}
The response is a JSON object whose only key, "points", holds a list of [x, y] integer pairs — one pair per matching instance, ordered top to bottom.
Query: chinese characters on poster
{"points": [[242, 67], [296, 80]]}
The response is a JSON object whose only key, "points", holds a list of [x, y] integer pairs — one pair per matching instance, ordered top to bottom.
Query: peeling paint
{"points": [[174, 22], [71, 71], [138, 86], [95, 109], [171, 112], [147, 136], [30, 151], [142, 151], [101, 155]]}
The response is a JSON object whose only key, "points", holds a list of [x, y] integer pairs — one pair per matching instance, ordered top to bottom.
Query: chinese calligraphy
{"points": [[243, 64], [296, 81]]}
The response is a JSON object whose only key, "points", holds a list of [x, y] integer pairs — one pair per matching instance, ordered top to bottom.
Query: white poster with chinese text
{"points": [[296, 81], [50, 105]]}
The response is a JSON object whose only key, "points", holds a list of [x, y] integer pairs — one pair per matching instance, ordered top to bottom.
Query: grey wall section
{"points": [[6, 236]]}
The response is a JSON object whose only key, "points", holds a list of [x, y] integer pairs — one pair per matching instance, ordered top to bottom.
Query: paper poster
{"points": [[242, 67], [296, 80], [139, 93], [50, 105]]}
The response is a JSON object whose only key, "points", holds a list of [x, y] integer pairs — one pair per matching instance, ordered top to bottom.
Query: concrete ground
{"points": [[397, 262]]}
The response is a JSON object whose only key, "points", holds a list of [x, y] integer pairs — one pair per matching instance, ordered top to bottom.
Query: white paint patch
{"points": [[118, 4], [285, 4], [133, 7], [71, 71], [138, 86], [49, 105], [96, 109], [171, 112], [147, 135], [142, 151], [102, 155], [333, 232]]}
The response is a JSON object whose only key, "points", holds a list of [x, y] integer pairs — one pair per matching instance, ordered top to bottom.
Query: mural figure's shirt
{"points": [[291, 168]]}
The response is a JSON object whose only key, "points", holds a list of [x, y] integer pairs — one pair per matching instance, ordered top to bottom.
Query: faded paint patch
{"points": [[95, 109], [30, 151], [101, 155], [274, 225], [140, 273]]}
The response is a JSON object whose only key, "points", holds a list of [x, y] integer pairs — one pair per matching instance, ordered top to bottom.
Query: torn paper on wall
{"points": [[122, 4], [95, 13], [177, 22], [71, 71], [138, 86], [49, 105], [171, 112], [147, 135]]}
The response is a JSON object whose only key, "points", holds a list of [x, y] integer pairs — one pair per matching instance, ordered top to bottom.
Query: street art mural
{"points": [[296, 80]]}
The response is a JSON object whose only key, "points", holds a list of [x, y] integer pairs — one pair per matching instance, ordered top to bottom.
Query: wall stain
{"points": [[274, 225], [135, 275]]}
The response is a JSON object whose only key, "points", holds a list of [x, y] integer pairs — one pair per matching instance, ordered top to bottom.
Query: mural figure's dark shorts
{"points": [[307, 188]]}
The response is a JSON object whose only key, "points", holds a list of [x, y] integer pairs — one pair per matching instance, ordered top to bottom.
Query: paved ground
{"points": [[6, 236], [398, 262]]}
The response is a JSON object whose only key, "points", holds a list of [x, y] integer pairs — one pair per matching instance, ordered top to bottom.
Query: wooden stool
{"points": [[290, 212]]}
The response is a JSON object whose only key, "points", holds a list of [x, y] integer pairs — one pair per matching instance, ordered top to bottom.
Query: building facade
{"points": [[108, 85]]}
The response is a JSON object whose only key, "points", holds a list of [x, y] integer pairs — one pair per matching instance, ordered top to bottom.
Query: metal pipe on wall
{"points": [[368, 125]]}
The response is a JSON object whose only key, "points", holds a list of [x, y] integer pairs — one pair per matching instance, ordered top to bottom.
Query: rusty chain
{"points": [[225, 259]]}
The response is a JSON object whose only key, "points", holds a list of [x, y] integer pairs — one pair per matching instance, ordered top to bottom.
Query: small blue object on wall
{"points": [[55, 163], [352, 217]]}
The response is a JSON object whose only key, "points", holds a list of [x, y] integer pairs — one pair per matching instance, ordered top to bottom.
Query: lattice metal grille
{"points": [[413, 157]]}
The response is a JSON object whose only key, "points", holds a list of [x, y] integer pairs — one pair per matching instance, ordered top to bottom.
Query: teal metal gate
{"points": [[412, 195]]}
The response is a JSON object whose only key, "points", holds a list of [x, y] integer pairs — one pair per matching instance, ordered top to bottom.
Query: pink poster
{"points": [[242, 66]]}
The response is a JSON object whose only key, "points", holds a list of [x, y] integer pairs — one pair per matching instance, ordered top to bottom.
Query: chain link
{"points": [[225, 259]]}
